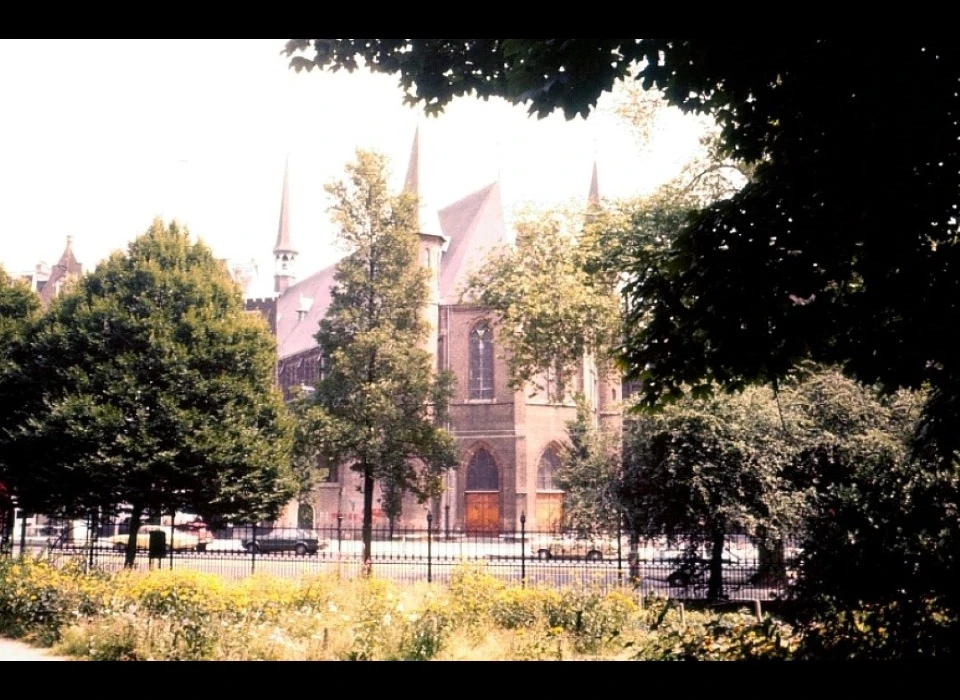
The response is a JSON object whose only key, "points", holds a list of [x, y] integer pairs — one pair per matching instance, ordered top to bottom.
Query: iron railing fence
{"points": [[675, 568]]}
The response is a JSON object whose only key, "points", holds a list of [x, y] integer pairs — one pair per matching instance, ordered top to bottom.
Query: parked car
{"points": [[198, 529], [182, 541], [300, 541], [575, 547]]}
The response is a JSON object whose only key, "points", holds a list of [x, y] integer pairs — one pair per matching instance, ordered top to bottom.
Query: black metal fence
{"points": [[676, 568]]}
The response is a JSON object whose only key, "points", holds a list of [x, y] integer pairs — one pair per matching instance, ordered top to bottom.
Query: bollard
{"points": [[757, 611]]}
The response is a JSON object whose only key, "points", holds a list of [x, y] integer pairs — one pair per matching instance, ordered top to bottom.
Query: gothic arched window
{"points": [[481, 362], [547, 471], [482, 472]]}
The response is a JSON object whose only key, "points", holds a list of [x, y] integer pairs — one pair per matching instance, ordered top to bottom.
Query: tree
{"points": [[709, 175], [841, 248], [553, 304], [19, 308], [151, 388], [383, 402], [705, 469], [590, 476], [879, 527]]}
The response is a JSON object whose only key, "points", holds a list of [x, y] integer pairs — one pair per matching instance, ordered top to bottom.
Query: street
{"points": [[413, 560]]}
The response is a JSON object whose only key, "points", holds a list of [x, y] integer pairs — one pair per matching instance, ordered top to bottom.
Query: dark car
{"points": [[300, 541]]}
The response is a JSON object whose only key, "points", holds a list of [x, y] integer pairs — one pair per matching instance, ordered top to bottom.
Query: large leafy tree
{"points": [[843, 245], [554, 303], [19, 308], [151, 388], [383, 404], [703, 469], [879, 527]]}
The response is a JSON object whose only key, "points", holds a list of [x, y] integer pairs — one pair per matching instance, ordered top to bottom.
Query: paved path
{"points": [[12, 650]]}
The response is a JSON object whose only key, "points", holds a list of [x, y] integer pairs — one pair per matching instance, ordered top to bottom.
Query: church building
{"points": [[509, 441]]}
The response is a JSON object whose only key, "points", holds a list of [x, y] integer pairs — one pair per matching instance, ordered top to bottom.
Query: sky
{"points": [[98, 137]]}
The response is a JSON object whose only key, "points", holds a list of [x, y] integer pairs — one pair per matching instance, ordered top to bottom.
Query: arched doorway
{"points": [[549, 495], [482, 497]]}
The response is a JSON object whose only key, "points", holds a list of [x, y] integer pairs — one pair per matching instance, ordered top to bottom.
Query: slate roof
{"points": [[474, 225], [295, 334]]}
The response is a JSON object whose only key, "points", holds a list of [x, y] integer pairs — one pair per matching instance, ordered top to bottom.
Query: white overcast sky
{"points": [[99, 136]]}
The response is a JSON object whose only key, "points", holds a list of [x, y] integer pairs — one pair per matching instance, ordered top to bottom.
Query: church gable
{"points": [[474, 225]]}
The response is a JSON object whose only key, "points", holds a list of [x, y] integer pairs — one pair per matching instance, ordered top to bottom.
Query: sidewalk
{"points": [[12, 650]]}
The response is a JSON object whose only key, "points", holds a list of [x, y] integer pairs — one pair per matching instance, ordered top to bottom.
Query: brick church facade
{"points": [[508, 440]]}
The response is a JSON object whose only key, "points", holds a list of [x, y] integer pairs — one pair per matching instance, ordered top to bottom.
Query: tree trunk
{"points": [[367, 519], [132, 539], [771, 564], [715, 585]]}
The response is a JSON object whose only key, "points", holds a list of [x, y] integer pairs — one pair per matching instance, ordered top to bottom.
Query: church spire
{"points": [[411, 185], [593, 196], [283, 231], [284, 254]]}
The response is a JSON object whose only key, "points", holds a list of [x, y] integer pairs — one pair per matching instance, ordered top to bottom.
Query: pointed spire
{"points": [[411, 185], [593, 197], [283, 232], [284, 254]]}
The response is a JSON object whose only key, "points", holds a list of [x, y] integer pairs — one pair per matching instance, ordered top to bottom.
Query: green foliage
{"points": [[552, 73], [709, 175], [836, 250], [553, 304], [19, 309], [151, 387], [382, 405], [312, 430], [710, 467], [590, 476], [877, 576], [473, 594], [37, 599], [898, 630], [425, 634], [735, 636]]}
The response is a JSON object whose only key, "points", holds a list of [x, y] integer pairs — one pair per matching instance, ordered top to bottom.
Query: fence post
{"points": [[173, 518], [23, 533], [339, 533], [92, 537], [339, 544], [620, 548], [253, 549], [523, 549], [429, 553]]}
